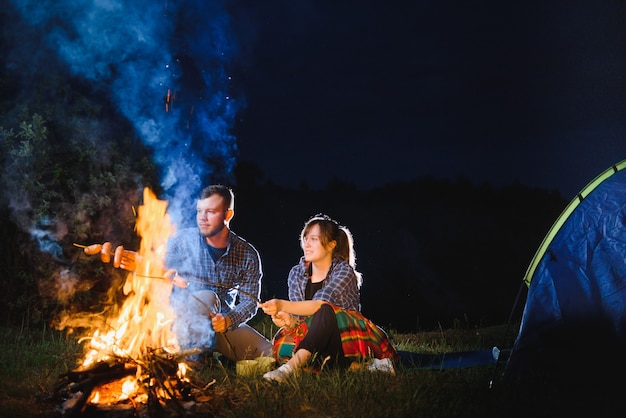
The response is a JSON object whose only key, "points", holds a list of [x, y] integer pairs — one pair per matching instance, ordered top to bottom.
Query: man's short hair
{"points": [[219, 189]]}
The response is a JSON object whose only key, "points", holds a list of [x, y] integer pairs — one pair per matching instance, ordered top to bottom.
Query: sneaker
{"points": [[382, 365], [279, 374]]}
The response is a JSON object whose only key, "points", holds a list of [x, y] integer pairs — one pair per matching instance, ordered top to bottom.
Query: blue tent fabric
{"points": [[576, 302]]}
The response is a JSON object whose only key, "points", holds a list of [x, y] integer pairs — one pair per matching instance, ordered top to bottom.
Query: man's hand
{"points": [[122, 258], [125, 259], [176, 280], [220, 323]]}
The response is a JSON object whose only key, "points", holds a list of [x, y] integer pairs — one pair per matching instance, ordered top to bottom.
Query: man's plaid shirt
{"points": [[238, 268]]}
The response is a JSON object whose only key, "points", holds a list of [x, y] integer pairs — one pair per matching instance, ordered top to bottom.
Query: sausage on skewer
{"points": [[93, 249], [105, 253], [117, 259]]}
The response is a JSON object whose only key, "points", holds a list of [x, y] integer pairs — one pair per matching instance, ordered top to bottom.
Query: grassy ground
{"points": [[32, 361]]}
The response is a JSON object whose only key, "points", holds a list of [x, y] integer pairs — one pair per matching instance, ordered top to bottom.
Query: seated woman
{"points": [[321, 322]]}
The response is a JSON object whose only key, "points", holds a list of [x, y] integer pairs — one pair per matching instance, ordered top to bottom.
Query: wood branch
{"points": [[99, 367], [101, 378]]}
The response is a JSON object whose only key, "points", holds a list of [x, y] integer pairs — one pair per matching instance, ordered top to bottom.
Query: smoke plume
{"points": [[164, 66]]}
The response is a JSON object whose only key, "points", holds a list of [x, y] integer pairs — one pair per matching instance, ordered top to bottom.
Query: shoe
{"points": [[382, 365], [279, 374]]}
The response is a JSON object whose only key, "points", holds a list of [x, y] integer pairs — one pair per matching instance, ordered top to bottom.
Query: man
{"points": [[217, 273]]}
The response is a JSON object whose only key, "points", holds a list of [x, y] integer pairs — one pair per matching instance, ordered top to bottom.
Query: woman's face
{"points": [[313, 248]]}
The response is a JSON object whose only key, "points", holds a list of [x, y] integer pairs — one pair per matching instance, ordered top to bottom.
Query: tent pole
{"points": [[506, 332]]}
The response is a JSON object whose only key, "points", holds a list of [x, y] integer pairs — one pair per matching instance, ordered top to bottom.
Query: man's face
{"points": [[211, 215]]}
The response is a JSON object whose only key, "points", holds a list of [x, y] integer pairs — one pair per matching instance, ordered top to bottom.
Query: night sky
{"points": [[365, 92], [373, 92]]}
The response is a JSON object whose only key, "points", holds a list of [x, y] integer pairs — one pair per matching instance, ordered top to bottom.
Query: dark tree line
{"points": [[432, 251]]}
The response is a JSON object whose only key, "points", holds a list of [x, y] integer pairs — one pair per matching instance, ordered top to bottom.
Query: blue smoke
{"points": [[164, 64]]}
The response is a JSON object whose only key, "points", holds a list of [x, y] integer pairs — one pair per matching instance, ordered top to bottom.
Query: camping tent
{"points": [[574, 319]]}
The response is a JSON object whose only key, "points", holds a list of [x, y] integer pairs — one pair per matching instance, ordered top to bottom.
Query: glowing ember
{"points": [[116, 391]]}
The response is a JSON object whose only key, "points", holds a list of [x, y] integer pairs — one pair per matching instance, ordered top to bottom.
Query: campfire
{"points": [[132, 358]]}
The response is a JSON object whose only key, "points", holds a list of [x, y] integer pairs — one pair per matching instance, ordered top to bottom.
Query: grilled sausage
{"points": [[93, 249], [105, 253], [117, 259]]}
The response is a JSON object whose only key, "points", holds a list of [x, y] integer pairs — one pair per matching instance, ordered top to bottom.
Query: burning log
{"points": [[89, 380], [156, 382], [77, 386]]}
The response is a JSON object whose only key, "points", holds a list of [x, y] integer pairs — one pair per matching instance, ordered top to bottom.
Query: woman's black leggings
{"points": [[323, 338]]}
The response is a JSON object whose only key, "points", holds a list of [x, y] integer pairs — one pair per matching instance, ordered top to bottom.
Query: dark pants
{"points": [[323, 338]]}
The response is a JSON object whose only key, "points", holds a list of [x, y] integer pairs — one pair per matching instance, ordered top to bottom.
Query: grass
{"points": [[31, 362]]}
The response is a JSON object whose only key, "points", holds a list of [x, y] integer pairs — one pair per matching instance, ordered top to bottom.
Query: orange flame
{"points": [[144, 322]]}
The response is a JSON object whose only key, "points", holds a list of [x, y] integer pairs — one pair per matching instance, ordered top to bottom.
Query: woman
{"points": [[321, 321]]}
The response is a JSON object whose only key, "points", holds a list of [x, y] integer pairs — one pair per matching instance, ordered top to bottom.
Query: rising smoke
{"points": [[163, 64]]}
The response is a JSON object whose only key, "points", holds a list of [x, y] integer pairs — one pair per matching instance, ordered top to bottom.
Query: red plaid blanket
{"points": [[360, 338]]}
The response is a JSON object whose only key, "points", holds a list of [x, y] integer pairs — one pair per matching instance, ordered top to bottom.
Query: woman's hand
{"points": [[271, 307], [283, 319]]}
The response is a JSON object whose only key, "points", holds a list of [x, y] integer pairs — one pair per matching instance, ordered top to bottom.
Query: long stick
{"points": [[223, 286], [251, 296]]}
